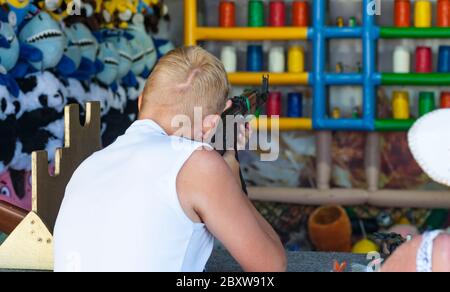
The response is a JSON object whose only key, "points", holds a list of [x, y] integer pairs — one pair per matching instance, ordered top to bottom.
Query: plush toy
{"points": [[144, 6], [58, 9], [157, 10], [19, 11], [117, 13], [86, 14], [152, 25], [45, 34], [141, 38], [89, 46], [123, 47], [9, 55], [109, 57], [71, 59], [139, 69], [78, 92], [111, 94], [133, 94], [41, 122], [117, 122], [8, 133], [14, 188], [7, 192]]}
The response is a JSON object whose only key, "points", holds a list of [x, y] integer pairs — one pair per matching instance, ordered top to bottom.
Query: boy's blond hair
{"points": [[186, 78]]}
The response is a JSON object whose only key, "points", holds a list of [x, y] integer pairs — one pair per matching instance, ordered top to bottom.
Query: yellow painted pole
{"points": [[190, 22], [252, 33], [254, 78], [285, 124]]}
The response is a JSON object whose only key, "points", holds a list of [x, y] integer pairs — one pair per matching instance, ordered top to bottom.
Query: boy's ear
{"points": [[140, 102], [210, 122], [209, 126]]}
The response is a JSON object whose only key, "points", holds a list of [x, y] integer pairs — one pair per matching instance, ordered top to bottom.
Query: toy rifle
{"points": [[250, 102]]}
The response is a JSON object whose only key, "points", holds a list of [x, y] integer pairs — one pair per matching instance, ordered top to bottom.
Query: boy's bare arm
{"points": [[233, 164], [207, 185]]}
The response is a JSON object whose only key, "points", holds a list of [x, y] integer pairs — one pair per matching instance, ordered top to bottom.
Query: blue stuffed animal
{"points": [[20, 11], [42, 32], [140, 37], [88, 44], [9, 54]]}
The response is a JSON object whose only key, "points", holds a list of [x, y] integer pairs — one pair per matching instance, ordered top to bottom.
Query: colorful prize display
{"points": [[300, 13], [402, 13], [227, 14], [256, 15], [443, 15], [277, 16], [422, 16], [228, 57], [255, 58], [444, 59], [277, 60], [296, 60], [402, 60], [424, 60], [413, 64], [369, 80], [445, 99], [427, 103], [274, 104], [295, 105], [400, 105]]}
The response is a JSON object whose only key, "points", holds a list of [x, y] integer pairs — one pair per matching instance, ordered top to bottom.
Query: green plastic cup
{"points": [[256, 13]]}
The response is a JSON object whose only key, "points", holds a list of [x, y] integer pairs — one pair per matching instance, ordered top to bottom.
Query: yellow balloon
{"points": [[365, 246]]}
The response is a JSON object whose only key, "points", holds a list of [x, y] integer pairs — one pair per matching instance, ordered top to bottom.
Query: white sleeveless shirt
{"points": [[121, 210]]}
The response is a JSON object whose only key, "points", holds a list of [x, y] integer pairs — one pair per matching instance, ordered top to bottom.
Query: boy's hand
{"points": [[244, 134]]}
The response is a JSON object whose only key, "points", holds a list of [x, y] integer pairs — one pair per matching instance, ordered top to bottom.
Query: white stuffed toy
{"points": [[41, 121], [8, 133]]}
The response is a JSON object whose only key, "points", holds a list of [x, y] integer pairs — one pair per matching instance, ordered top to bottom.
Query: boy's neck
{"points": [[164, 120]]}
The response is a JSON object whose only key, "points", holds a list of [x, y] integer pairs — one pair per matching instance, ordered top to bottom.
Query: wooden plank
{"points": [[80, 142], [353, 197], [10, 217], [28, 247]]}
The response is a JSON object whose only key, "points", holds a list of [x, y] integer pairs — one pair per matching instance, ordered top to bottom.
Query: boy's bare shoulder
{"points": [[205, 163], [206, 173], [202, 182]]}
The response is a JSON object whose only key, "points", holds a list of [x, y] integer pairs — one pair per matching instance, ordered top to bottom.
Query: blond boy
{"points": [[155, 199]]}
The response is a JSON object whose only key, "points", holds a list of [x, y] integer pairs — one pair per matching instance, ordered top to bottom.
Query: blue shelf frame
{"points": [[369, 33]]}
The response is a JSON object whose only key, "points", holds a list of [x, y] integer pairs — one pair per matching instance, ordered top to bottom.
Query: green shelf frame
{"points": [[414, 32], [416, 79], [392, 125]]}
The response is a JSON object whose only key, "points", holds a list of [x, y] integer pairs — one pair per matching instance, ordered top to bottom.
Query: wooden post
{"points": [[80, 143], [324, 160], [373, 161]]}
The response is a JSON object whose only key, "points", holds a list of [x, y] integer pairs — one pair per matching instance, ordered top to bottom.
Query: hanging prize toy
{"points": [[19, 11], [42, 32], [82, 36], [9, 55]]}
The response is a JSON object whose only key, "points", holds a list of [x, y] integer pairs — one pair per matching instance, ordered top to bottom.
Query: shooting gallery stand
{"points": [[30, 243]]}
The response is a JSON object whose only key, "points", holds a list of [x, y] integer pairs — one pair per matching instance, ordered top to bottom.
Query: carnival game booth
{"points": [[348, 80]]}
